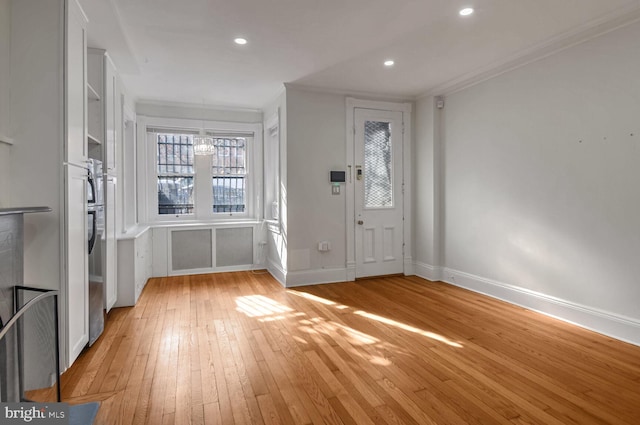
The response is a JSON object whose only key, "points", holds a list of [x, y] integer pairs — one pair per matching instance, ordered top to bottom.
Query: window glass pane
{"points": [[175, 153], [175, 163], [229, 175], [378, 189], [175, 194], [229, 194]]}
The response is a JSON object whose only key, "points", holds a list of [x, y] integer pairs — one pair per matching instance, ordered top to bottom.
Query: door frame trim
{"points": [[406, 110]]}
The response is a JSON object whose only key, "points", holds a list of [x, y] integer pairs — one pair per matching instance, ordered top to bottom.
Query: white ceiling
{"points": [[183, 51]]}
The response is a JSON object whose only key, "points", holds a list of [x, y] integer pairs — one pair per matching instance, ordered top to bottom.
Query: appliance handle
{"points": [[92, 185], [92, 241]]}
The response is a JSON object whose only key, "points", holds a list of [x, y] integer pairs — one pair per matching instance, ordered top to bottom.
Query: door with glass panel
{"points": [[378, 192]]}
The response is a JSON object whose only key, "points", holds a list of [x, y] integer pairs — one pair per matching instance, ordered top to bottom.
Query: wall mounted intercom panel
{"points": [[337, 177]]}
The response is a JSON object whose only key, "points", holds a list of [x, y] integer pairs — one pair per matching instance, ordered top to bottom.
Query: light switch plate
{"points": [[335, 189]]}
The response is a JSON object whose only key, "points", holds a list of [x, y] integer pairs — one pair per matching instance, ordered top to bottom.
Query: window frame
{"points": [[203, 173], [159, 174]]}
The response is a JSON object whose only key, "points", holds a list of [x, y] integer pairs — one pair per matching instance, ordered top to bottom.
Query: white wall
{"points": [[5, 93], [316, 128], [37, 129], [315, 143], [5, 160], [426, 168], [541, 199], [276, 248]]}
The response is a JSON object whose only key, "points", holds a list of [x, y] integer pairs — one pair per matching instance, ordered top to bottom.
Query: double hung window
{"points": [[190, 187]]}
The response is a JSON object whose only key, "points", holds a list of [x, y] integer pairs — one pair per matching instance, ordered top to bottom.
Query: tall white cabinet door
{"points": [[75, 82], [112, 108], [110, 254], [75, 255], [76, 261]]}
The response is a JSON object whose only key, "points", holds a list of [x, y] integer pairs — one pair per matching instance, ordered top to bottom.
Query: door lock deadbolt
{"points": [[358, 172]]}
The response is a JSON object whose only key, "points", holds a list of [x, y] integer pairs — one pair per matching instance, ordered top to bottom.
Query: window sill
{"points": [[201, 223], [273, 226], [133, 232]]}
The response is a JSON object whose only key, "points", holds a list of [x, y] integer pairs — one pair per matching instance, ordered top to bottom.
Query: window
{"points": [[175, 161], [229, 171], [187, 187], [378, 187]]}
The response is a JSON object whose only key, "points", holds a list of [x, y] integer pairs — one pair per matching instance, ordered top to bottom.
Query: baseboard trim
{"points": [[409, 266], [351, 271], [427, 271], [277, 272], [316, 277], [610, 324]]}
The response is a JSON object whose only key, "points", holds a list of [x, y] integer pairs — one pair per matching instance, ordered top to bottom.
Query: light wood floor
{"points": [[237, 348]]}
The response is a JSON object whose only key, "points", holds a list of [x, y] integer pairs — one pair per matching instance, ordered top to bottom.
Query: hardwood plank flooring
{"points": [[237, 348]]}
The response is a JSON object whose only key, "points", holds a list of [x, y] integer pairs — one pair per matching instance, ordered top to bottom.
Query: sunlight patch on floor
{"points": [[311, 297], [260, 306], [281, 317], [409, 328], [354, 337], [362, 337], [380, 361]]}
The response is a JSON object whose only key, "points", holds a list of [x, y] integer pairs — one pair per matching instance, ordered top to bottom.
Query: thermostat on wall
{"points": [[337, 176]]}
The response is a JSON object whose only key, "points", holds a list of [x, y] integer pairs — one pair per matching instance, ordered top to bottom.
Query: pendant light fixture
{"points": [[203, 144]]}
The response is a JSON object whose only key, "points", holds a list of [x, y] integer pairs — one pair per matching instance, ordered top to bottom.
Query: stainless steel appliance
{"points": [[95, 237]]}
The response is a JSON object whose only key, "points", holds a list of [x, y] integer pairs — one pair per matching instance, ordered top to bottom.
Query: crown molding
{"points": [[589, 30], [352, 93], [274, 100], [194, 106]]}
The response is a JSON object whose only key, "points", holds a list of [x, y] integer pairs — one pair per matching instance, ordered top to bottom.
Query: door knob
{"points": [[360, 222]]}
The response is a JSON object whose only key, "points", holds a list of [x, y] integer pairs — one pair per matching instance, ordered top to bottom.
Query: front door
{"points": [[378, 192]]}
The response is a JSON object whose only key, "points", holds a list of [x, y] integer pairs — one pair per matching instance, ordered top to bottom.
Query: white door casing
{"points": [[378, 187]]}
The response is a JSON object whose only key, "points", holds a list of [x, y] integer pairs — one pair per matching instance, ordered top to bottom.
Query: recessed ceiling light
{"points": [[466, 11], [241, 41], [389, 63]]}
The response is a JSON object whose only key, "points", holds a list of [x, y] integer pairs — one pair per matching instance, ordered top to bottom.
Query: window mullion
{"points": [[204, 195]]}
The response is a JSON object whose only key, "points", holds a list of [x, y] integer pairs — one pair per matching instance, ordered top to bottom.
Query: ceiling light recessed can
{"points": [[466, 11], [241, 41], [389, 62]]}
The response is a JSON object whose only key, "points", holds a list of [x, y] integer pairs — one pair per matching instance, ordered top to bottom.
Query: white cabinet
{"points": [[75, 78], [95, 100], [105, 109], [48, 113], [113, 117], [105, 135], [75, 203], [110, 253], [76, 260], [134, 265]]}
